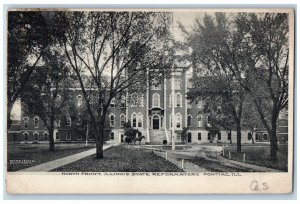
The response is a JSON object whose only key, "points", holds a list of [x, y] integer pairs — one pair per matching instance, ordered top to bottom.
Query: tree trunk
{"points": [[9, 109], [238, 136], [273, 139], [51, 140], [99, 142]]}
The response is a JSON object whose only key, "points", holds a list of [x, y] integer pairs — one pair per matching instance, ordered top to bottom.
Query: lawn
{"points": [[260, 155], [20, 156], [122, 159]]}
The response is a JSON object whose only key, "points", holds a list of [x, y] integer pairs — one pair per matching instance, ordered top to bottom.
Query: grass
{"points": [[260, 155], [20, 156], [121, 159]]}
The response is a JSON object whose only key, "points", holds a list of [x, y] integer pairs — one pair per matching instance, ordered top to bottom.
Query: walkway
{"points": [[218, 162], [48, 166]]}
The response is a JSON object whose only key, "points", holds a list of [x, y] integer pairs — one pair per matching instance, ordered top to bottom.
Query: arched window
{"points": [[79, 100], [134, 100], [156, 100], [171, 100], [178, 100], [123, 101], [141, 101], [112, 103], [133, 119], [26, 120], [112, 120], [122, 120], [140, 120], [178, 120], [199, 120], [36, 121], [69, 121], [189, 121], [26, 135], [112, 135], [36, 136], [46, 136]]}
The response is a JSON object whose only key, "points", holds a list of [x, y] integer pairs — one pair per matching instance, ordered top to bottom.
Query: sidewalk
{"points": [[48, 166]]}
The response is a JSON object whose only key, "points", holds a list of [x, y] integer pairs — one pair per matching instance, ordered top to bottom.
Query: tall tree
{"points": [[29, 34], [266, 39], [212, 42], [117, 50], [47, 95]]}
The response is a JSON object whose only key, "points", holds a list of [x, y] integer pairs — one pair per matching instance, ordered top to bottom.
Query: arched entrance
{"points": [[156, 122]]}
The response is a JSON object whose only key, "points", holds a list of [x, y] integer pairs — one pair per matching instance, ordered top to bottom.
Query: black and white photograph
{"points": [[155, 93]]}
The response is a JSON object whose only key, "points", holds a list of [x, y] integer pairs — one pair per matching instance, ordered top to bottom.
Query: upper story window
{"points": [[79, 100], [134, 100], [156, 100], [178, 100], [123, 101], [141, 101], [112, 103], [133, 119], [26, 120], [112, 120], [122, 120], [140, 120], [178, 120], [199, 120], [189, 121], [36, 122], [57, 123]]}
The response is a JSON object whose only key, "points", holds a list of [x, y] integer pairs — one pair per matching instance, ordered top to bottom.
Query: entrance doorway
{"points": [[156, 122], [189, 139]]}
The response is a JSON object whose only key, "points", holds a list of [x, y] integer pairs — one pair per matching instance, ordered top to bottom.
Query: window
{"points": [[177, 84], [171, 99], [79, 100], [134, 100], [156, 100], [178, 100], [123, 101], [141, 101], [112, 103], [133, 117], [26, 120], [112, 120], [122, 120], [140, 120], [178, 120], [199, 120], [69, 121], [189, 121], [36, 122], [57, 123], [46, 135], [199, 135], [26, 136], [36, 136], [57, 136], [69, 136], [79, 136], [112, 136], [208, 136], [219, 136], [229, 136], [249, 136], [256, 136], [265, 136]]}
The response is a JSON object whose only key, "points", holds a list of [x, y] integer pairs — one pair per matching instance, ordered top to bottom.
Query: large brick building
{"points": [[149, 111]]}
